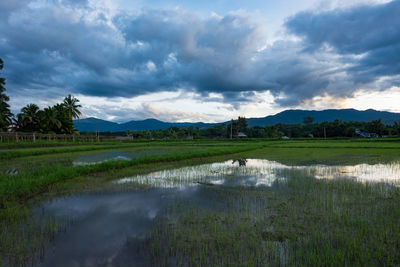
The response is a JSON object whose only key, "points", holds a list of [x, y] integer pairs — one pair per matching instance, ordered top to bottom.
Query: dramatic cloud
{"points": [[371, 34], [56, 47], [227, 55]]}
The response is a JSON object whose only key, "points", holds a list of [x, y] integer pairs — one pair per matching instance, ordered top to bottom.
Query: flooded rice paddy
{"points": [[97, 158], [15, 166], [260, 172], [212, 214]]}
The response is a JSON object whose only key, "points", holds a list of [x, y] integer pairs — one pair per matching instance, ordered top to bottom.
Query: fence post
{"points": [[16, 136], [34, 137]]}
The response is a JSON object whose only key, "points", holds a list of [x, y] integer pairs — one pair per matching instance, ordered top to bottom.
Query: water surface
{"points": [[96, 158], [260, 172], [108, 227]]}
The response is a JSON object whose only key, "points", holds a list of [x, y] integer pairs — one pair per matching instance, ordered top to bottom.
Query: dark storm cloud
{"points": [[370, 32], [69, 46], [225, 55]]}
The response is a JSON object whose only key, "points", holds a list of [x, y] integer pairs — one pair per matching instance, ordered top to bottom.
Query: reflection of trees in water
{"points": [[242, 162]]}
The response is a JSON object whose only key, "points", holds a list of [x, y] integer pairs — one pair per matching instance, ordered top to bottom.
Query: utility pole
{"points": [[325, 132]]}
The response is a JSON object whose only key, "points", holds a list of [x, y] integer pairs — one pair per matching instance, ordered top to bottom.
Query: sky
{"points": [[204, 60]]}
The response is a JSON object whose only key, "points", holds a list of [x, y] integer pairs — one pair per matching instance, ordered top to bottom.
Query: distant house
{"points": [[12, 128], [366, 134], [241, 135], [285, 137]]}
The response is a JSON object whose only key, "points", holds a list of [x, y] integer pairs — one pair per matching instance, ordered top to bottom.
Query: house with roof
{"points": [[366, 134], [241, 135]]}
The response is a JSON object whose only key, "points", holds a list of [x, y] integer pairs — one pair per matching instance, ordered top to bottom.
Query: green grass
{"points": [[340, 144], [16, 152], [25, 152], [337, 156], [30, 163], [16, 189], [20, 191], [302, 221], [299, 222]]}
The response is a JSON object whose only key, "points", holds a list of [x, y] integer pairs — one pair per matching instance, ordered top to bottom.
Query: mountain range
{"points": [[285, 117]]}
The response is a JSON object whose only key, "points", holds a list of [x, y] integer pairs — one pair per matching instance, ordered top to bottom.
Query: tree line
{"points": [[53, 119], [56, 119], [336, 128], [306, 129]]}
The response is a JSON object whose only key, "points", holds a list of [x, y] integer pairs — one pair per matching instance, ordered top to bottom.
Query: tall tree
{"points": [[72, 106], [5, 113], [62, 114], [28, 119], [50, 121], [242, 124], [376, 126], [396, 128]]}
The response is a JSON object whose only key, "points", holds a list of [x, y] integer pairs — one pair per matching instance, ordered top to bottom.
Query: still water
{"points": [[96, 158], [16, 166], [259, 172], [107, 227]]}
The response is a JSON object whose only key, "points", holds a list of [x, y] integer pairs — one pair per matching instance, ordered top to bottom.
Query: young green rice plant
{"points": [[26, 185], [17, 190], [265, 213], [298, 221], [25, 236]]}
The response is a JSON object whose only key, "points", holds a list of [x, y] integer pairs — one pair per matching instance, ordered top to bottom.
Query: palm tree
{"points": [[71, 104], [5, 113], [62, 114], [28, 118], [50, 120]]}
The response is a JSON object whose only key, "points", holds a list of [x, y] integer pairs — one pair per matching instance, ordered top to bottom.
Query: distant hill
{"points": [[293, 116], [286, 117], [93, 124]]}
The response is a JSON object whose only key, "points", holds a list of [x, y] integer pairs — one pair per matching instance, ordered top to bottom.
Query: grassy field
{"points": [[300, 221]]}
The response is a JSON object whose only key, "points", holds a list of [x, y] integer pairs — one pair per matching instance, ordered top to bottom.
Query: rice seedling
{"points": [[273, 211], [298, 221]]}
